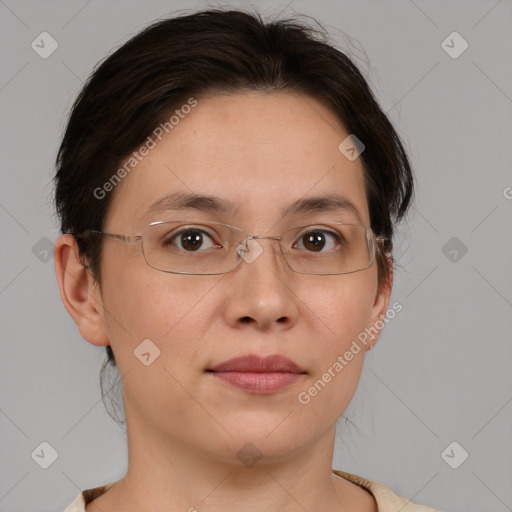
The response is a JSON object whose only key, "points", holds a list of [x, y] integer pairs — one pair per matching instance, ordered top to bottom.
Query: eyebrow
{"points": [[190, 201], [327, 203], [216, 205]]}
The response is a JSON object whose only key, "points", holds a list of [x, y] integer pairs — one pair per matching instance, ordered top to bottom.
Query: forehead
{"points": [[261, 152]]}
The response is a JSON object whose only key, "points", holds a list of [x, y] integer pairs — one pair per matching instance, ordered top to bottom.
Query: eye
{"points": [[190, 239], [315, 240]]}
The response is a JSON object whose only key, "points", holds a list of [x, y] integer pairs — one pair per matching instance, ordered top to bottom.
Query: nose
{"points": [[260, 290]]}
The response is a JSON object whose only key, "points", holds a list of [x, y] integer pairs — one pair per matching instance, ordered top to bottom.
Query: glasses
{"points": [[181, 247]]}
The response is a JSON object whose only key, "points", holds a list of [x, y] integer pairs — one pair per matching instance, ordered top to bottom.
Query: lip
{"points": [[258, 375]]}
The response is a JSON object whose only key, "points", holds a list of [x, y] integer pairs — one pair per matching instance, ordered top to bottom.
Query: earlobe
{"points": [[79, 291]]}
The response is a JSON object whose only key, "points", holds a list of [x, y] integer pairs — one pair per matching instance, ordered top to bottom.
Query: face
{"points": [[261, 152]]}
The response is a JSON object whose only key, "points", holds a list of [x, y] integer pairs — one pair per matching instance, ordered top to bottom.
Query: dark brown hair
{"points": [[139, 85]]}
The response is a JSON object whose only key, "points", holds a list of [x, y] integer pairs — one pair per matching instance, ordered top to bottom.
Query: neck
{"points": [[165, 475]]}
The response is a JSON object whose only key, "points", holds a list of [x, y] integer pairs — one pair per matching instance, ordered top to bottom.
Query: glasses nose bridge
{"points": [[269, 237], [275, 237], [248, 238]]}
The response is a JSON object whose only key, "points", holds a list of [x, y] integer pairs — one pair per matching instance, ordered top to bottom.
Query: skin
{"points": [[185, 427]]}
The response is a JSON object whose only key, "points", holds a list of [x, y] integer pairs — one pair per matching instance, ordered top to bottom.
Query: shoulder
{"points": [[86, 496], [387, 500]]}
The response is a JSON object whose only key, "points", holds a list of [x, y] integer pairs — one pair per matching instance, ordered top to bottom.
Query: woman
{"points": [[228, 191]]}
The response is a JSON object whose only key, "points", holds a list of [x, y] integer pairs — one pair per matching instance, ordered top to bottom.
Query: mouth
{"points": [[259, 375]]}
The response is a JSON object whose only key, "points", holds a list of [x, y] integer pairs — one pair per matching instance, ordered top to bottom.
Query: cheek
{"points": [[141, 303], [145, 305], [344, 306], [343, 313], [327, 393]]}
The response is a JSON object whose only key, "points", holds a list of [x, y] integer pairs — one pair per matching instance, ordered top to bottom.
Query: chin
{"points": [[269, 441]]}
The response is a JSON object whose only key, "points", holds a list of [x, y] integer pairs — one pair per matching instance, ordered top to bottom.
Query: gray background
{"points": [[441, 370]]}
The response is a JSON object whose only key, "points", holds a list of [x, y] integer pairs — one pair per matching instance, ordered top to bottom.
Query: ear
{"points": [[79, 291], [380, 306]]}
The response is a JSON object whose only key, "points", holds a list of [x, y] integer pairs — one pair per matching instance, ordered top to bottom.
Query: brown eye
{"points": [[190, 240], [316, 240]]}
